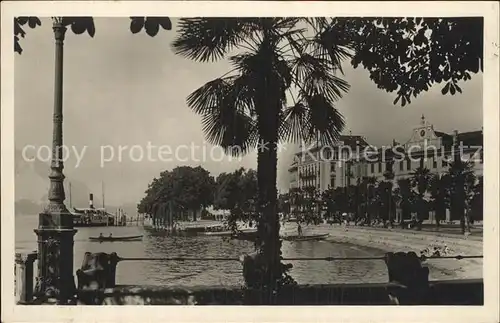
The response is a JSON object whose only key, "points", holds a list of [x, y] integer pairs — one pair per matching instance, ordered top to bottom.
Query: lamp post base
{"points": [[55, 256]]}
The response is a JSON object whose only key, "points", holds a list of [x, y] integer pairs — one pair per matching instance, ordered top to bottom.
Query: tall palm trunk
{"points": [[267, 162], [458, 203], [440, 207], [403, 211], [391, 217], [268, 224]]}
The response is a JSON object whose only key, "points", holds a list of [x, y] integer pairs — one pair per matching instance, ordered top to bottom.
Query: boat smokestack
{"points": [[91, 200]]}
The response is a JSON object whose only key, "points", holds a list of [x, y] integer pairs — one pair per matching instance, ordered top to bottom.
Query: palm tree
{"points": [[274, 61], [388, 180], [462, 180], [420, 182], [370, 184], [348, 188], [438, 188], [404, 196], [296, 197], [328, 198], [340, 200], [358, 200], [477, 200], [284, 204], [310, 212]]}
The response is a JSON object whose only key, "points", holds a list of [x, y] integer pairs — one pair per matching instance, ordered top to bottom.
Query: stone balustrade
{"points": [[24, 275], [408, 285], [450, 292]]}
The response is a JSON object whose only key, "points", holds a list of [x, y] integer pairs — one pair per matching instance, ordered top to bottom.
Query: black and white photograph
{"points": [[279, 159]]}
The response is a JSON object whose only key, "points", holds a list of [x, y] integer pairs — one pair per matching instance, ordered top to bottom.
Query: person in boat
{"points": [[111, 235], [101, 236]]}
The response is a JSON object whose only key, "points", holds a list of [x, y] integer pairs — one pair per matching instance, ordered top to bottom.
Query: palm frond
{"points": [[317, 23], [209, 39], [328, 43], [316, 75], [226, 107], [313, 118], [325, 119], [295, 124], [234, 131]]}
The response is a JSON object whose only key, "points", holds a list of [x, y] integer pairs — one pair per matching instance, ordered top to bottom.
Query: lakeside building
{"points": [[353, 158]]}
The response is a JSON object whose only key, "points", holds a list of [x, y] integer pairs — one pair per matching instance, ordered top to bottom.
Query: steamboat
{"points": [[91, 216]]}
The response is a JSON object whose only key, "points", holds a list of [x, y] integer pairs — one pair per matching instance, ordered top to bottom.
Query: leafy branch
{"points": [[81, 25]]}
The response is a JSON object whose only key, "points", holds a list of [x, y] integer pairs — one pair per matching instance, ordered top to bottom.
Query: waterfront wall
{"points": [[456, 292]]}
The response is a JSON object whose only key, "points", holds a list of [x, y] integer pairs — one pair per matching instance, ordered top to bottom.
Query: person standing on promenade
{"points": [[344, 221]]}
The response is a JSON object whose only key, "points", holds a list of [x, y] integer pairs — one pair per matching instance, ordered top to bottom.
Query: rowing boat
{"points": [[217, 234], [245, 234], [314, 237], [129, 238]]}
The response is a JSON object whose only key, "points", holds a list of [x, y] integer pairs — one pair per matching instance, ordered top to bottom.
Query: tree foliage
{"points": [[81, 25], [403, 55], [409, 55], [186, 187], [461, 190], [237, 192], [440, 196], [405, 198], [307, 205]]}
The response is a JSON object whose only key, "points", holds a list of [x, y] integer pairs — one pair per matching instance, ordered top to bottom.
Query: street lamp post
{"points": [[55, 227]]}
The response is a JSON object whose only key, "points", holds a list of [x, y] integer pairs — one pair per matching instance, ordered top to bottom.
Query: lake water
{"points": [[206, 272]]}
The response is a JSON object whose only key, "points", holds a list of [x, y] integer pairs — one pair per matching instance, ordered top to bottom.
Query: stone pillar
{"points": [[55, 227], [24, 277], [410, 279]]}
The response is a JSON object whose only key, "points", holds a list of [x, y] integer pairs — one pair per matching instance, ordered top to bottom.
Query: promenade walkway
{"points": [[476, 229], [397, 239]]}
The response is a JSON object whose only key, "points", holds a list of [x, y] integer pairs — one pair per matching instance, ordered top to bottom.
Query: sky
{"points": [[123, 89]]}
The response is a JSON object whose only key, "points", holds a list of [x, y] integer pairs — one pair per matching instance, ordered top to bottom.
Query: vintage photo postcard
{"points": [[238, 161]]}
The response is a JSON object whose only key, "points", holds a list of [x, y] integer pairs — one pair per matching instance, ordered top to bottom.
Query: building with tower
{"points": [[353, 158]]}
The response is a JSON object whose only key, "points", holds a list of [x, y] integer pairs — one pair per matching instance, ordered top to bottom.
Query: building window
{"points": [[421, 162], [434, 162], [408, 164], [380, 167], [401, 167], [372, 168], [332, 182]]}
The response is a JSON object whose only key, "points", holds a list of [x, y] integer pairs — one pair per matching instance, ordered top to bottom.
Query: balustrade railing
{"points": [[99, 269], [24, 277]]}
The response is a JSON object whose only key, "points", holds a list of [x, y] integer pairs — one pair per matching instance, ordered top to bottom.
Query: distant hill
{"points": [[31, 182], [32, 185], [27, 207]]}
